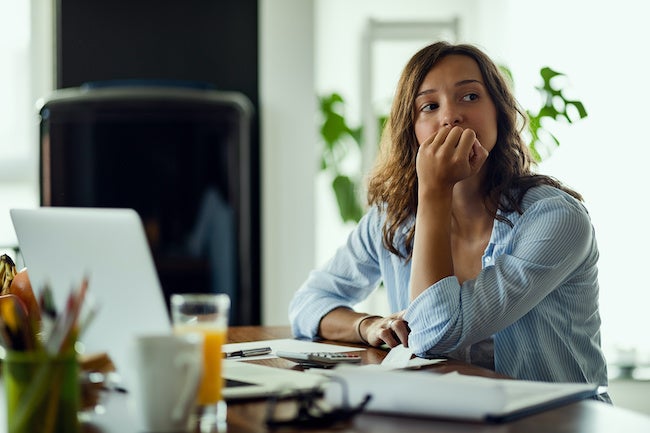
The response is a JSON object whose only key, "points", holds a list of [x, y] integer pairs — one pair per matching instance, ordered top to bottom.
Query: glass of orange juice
{"points": [[207, 314]]}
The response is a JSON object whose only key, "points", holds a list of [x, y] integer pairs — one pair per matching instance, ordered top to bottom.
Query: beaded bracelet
{"points": [[360, 321]]}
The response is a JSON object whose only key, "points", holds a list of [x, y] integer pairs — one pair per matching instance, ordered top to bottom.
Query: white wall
{"points": [[287, 110]]}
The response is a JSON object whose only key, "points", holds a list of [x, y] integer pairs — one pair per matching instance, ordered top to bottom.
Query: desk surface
{"points": [[584, 416]]}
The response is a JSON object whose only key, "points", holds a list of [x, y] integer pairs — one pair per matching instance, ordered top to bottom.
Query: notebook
{"points": [[62, 244], [456, 396]]}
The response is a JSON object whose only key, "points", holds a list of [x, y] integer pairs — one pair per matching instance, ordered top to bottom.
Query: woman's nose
{"points": [[451, 116]]}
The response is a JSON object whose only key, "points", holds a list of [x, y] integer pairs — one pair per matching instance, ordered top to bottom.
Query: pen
{"points": [[248, 352]]}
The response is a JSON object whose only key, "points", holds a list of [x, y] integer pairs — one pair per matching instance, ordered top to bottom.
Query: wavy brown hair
{"points": [[393, 183]]}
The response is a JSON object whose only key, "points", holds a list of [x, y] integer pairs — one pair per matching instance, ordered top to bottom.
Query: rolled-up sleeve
{"points": [[546, 249]]}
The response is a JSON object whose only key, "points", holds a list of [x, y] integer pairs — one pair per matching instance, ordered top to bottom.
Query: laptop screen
{"points": [[60, 246]]}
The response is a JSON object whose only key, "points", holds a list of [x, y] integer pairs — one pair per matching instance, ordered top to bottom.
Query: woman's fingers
{"points": [[440, 137], [446, 139], [465, 142], [450, 155], [478, 155], [391, 330], [401, 330], [394, 332], [388, 337]]}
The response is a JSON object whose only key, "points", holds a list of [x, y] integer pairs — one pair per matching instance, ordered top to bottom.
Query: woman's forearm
{"points": [[432, 259], [341, 324]]}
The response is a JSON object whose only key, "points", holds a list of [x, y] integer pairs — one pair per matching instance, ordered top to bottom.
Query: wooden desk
{"points": [[586, 416]]}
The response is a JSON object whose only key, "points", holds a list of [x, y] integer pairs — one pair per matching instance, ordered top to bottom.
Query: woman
{"points": [[482, 259]]}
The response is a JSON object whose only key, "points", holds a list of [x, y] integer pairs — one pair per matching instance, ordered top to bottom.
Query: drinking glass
{"points": [[207, 314]]}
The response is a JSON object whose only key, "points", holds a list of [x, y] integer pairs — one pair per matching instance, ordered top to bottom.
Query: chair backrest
{"points": [[179, 156]]}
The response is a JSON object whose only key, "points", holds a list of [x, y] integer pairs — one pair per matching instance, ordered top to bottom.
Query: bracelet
{"points": [[360, 321]]}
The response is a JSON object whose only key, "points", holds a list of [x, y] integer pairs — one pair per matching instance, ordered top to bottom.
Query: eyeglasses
{"points": [[309, 410]]}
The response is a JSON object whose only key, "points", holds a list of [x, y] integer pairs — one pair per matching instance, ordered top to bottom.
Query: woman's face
{"points": [[453, 93]]}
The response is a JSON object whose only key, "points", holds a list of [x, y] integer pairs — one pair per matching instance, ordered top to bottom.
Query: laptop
{"points": [[61, 245], [244, 380]]}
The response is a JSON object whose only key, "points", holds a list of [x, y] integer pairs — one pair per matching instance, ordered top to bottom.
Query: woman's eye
{"points": [[470, 97], [429, 107]]}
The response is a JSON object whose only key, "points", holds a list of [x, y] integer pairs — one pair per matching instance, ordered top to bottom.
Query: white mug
{"points": [[167, 373]]}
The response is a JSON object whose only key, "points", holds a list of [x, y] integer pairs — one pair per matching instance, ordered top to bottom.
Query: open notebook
{"points": [[61, 245], [452, 395]]}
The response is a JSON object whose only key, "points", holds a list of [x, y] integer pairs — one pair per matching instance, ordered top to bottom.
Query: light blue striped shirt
{"points": [[536, 295]]}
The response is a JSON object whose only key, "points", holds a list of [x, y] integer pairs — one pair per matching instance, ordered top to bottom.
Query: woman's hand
{"points": [[447, 157], [392, 330]]}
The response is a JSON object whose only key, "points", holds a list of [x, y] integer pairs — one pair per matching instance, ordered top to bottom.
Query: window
{"points": [[25, 75], [14, 83]]}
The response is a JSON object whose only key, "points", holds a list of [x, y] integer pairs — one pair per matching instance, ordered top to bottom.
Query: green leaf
{"points": [[507, 73], [548, 74], [553, 97], [328, 102], [548, 111], [582, 112], [382, 122], [333, 128], [355, 133], [337, 137], [555, 140], [533, 151], [323, 163], [346, 197]]}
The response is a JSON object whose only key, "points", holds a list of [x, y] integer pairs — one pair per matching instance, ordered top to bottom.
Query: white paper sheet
{"points": [[398, 357], [401, 357]]}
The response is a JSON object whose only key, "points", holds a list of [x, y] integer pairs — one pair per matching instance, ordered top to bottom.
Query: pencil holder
{"points": [[42, 392]]}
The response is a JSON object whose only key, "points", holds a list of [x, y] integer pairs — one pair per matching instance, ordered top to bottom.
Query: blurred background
{"points": [[282, 55]]}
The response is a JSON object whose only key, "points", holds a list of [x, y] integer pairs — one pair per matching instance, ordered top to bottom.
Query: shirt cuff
{"points": [[431, 313]]}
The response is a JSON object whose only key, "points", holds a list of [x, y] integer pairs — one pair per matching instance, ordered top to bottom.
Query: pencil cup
{"points": [[42, 392]]}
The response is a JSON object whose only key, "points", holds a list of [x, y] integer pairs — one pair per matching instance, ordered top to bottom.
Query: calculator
{"points": [[320, 359]]}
